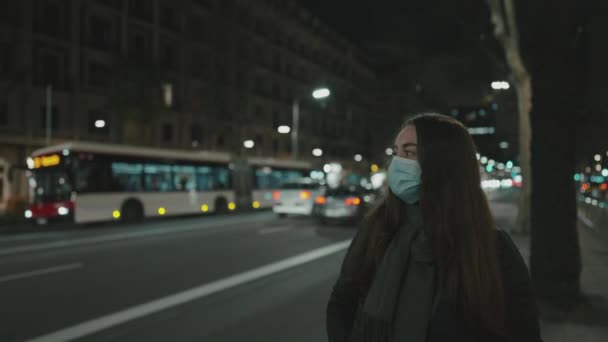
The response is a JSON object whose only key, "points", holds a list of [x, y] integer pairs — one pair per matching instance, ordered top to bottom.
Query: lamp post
{"points": [[317, 94]]}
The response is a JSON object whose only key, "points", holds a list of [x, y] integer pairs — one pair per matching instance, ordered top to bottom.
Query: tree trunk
{"points": [[505, 30], [549, 48], [555, 261]]}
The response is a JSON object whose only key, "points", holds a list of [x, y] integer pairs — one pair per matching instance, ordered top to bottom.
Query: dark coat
{"points": [[447, 323]]}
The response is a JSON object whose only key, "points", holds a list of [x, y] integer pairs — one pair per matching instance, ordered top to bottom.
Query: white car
{"points": [[296, 197]]}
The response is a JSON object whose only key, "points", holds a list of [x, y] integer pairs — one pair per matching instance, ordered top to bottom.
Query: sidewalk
{"points": [[588, 321]]}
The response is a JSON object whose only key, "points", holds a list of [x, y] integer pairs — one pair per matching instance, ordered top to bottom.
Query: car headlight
{"points": [[63, 211]]}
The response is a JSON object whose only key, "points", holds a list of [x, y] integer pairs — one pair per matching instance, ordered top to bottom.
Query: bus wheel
{"points": [[221, 205], [132, 211]]}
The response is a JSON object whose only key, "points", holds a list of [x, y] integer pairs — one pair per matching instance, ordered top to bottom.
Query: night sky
{"points": [[448, 43]]}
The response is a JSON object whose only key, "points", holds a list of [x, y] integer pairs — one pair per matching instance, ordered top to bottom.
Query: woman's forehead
{"points": [[406, 136]]}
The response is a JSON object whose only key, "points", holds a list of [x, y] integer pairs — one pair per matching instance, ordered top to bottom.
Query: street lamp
{"points": [[500, 85], [317, 94], [100, 123], [284, 129], [248, 144], [389, 151], [317, 152], [358, 158]]}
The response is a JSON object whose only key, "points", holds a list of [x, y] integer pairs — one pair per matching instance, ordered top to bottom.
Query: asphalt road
{"points": [[246, 277]]}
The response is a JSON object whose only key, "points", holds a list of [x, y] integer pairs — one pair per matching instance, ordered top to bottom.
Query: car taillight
{"points": [[276, 195], [305, 195], [321, 200], [352, 201]]}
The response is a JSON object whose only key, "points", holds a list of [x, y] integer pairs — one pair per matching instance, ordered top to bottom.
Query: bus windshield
{"points": [[51, 185]]}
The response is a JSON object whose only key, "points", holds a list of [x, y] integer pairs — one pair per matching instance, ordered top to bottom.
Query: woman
{"points": [[428, 263]]}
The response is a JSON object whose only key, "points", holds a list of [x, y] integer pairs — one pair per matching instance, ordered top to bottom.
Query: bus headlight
{"points": [[63, 211], [28, 214]]}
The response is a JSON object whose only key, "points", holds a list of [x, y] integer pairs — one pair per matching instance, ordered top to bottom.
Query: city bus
{"points": [[269, 174], [87, 182], [4, 185]]}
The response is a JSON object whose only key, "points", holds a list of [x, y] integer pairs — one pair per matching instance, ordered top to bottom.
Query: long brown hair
{"points": [[456, 216]]}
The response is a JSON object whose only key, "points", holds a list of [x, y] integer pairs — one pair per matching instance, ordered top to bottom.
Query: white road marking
{"points": [[587, 222], [266, 231], [114, 237], [44, 271], [139, 311]]}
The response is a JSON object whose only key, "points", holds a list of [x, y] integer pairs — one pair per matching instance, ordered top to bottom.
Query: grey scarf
{"points": [[399, 303]]}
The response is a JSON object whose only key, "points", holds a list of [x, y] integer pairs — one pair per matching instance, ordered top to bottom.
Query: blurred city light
{"points": [[500, 85], [321, 93], [168, 94], [100, 123], [284, 129], [248, 144], [503, 145], [389, 151], [65, 152], [317, 152], [478, 156], [358, 157], [597, 157], [483, 160], [491, 162], [30, 163], [509, 165], [500, 166], [598, 167], [327, 168], [374, 168], [489, 168], [517, 169], [588, 169], [605, 172], [577, 177], [518, 179], [162, 211], [28, 214], [116, 214]]}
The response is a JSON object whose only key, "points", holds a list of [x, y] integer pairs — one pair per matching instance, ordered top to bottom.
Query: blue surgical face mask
{"points": [[404, 179]]}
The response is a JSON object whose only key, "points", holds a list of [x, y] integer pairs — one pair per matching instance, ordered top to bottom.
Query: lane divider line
{"points": [[266, 231], [109, 238], [44, 271], [139, 311]]}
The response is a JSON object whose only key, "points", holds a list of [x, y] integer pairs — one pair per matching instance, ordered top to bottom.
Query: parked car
{"points": [[296, 197], [345, 204]]}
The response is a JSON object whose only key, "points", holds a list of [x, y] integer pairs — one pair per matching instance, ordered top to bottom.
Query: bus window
{"points": [[127, 176], [157, 177], [183, 178], [204, 178], [222, 178], [267, 178]]}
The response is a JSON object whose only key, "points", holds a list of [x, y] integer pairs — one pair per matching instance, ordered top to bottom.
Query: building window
{"points": [[141, 9], [50, 18], [169, 18], [100, 32], [140, 45], [167, 57], [48, 69], [98, 75], [3, 114], [54, 118], [275, 119], [98, 123], [167, 133], [196, 134], [275, 146]]}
